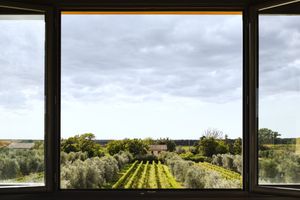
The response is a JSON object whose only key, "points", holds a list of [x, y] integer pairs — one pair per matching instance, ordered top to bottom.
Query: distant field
{"points": [[4, 143], [280, 147], [186, 148]]}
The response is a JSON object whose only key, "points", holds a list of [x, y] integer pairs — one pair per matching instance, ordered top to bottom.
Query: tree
{"points": [[214, 133], [267, 136], [84, 143], [171, 145], [115, 146], [207, 146], [211, 146], [237, 146], [136, 147], [222, 147]]}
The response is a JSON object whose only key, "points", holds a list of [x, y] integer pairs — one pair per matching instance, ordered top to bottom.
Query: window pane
{"points": [[22, 39], [279, 96], [151, 101]]}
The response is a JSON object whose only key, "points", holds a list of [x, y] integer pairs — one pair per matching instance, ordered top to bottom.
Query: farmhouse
{"points": [[156, 149]]}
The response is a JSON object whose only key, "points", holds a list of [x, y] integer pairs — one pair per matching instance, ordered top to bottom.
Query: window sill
{"points": [[97, 195]]}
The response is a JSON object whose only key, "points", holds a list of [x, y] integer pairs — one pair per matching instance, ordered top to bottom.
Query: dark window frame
{"points": [[272, 7], [24, 8], [52, 10]]}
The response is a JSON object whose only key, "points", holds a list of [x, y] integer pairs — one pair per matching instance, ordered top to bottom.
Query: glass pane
{"points": [[22, 39], [279, 96], [151, 101]]}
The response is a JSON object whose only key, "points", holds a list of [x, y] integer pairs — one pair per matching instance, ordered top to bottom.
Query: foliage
{"points": [[213, 133], [267, 136], [83, 143], [115, 146], [134, 146], [171, 146], [209, 146], [237, 146], [180, 150], [190, 156], [123, 157], [146, 157], [228, 161], [16, 163], [279, 167], [91, 173], [227, 174], [154, 175], [134, 176], [199, 176], [194, 177], [152, 179], [142, 180], [121, 181]]}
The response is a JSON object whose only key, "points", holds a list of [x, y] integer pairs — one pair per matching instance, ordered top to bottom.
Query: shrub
{"points": [[147, 157], [123, 158], [217, 160], [227, 160], [93, 172], [194, 178]]}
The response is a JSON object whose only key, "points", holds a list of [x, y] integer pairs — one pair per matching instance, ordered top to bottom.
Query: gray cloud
{"points": [[279, 54], [147, 57], [22, 62]]}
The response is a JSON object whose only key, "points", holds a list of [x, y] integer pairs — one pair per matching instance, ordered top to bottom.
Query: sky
{"points": [[138, 76]]}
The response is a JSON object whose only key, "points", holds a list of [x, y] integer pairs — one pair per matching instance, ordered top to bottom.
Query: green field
{"points": [[146, 175]]}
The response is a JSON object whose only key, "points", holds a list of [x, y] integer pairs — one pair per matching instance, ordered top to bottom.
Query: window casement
{"points": [[275, 38], [270, 90], [26, 105]]}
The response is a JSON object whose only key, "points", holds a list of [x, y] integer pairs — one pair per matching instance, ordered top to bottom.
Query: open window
{"points": [[145, 98], [118, 100], [24, 104], [277, 137]]}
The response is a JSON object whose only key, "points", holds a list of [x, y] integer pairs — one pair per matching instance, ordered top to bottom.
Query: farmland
{"points": [[211, 163], [227, 174], [143, 175]]}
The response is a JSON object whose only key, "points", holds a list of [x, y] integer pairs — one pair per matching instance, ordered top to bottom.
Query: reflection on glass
{"points": [[279, 97], [22, 100], [151, 101]]}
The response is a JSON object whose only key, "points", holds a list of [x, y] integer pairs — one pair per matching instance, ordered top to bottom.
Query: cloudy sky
{"points": [[280, 74], [151, 75], [140, 76]]}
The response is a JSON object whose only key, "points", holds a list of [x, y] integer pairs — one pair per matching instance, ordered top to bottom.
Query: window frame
{"points": [[15, 8], [53, 10], [292, 190], [160, 192]]}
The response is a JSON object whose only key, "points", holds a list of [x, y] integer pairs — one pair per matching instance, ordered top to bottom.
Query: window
{"points": [[22, 71], [79, 81], [145, 101], [279, 150], [278, 158]]}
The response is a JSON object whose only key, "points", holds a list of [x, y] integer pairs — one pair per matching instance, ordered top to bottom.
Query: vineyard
{"points": [[228, 174], [141, 175]]}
